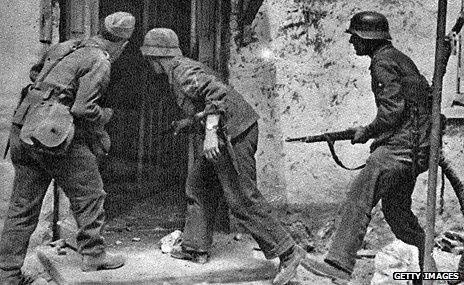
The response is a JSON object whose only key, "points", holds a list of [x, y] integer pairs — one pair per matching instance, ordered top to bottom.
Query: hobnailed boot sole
{"points": [[200, 258], [117, 262], [319, 268], [284, 278]]}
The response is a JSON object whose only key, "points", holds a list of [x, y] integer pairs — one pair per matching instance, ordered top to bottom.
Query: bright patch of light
{"points": [[267, 54]]}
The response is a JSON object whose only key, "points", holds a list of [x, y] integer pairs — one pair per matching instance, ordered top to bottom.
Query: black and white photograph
{"points": [[241, 142]]}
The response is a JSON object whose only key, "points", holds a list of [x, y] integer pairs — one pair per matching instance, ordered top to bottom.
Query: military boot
{"points": [[104, 261], [289, 262]]}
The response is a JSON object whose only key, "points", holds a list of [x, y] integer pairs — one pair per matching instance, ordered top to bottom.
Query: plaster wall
{"points": [[19, 47], [19, 50]]}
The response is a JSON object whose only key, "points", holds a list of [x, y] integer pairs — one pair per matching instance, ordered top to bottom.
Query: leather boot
{"points": [[104, 261], [288, 265]]}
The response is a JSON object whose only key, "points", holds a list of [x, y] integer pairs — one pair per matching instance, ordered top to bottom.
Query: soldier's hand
{"points": [[182, 125], [360, 135], [211, 145]]}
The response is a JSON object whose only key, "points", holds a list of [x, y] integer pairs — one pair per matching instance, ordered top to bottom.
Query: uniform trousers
{"points": [[76, 172], [387, 176], [242, 196]]}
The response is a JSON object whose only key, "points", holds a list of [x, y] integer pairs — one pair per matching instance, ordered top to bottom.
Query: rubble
{"points": [[302, 235], [171, 241], [451, 241], [395, 257]]}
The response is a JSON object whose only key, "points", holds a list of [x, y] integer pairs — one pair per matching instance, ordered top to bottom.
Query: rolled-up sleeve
{"points": [[91, 85], [199, 85], [390, 102]]}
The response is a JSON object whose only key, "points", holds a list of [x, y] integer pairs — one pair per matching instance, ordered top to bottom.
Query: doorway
{"points": [[145, 171]]}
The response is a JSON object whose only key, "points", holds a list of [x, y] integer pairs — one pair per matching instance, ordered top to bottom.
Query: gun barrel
{"points": [[334, 136], [308, 139]]}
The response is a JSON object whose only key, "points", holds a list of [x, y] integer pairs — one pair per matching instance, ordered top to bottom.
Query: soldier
{"points": [[78, 79], [225, 152], [399, 152]]}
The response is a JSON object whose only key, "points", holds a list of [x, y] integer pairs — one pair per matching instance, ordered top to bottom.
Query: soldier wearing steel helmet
{"points": [[76, 72], [399, 151], [224, 153]]}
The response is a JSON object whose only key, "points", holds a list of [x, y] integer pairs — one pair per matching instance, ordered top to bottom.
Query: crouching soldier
{"points": [[73, 78], [225, 152], [399, 152]]}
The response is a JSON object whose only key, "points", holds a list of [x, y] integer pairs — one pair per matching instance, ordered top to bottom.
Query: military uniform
{"points": [[82, 77], [197, 88], [401, 130]]}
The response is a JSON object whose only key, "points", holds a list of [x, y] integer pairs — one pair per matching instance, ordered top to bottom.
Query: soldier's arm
{"points": [[92, 84], [200, 85], [390, 101]]}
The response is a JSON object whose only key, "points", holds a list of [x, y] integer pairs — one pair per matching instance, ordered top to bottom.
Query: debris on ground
{"points": [[118, 225], [302, 235], [324, 235], [171, 241], [451, 241], [60, 245], [366, 253], [395, 257]]}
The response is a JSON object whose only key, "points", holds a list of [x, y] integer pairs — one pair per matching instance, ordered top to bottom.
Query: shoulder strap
{"points": [[75, 46], [330, 142]]}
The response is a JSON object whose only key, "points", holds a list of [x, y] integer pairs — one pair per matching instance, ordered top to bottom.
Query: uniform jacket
{"points": [[81, 78], [198, 88], [401, 94]]}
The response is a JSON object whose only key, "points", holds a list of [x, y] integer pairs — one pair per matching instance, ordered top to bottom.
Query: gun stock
{"points": [[46, 21]]}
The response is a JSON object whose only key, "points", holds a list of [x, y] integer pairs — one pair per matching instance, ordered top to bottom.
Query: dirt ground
{"points": [[140, 229]]}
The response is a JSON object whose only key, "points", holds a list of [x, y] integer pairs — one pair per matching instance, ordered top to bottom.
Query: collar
{"points": [[96, 42], [379, 51]]}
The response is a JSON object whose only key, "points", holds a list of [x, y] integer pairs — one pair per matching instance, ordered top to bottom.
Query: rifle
{"points": [[46, 21], [185, 125], [180, 126], [348, 134], [330, 138]]}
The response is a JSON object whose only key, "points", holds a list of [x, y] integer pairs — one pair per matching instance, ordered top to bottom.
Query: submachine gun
{"points": [[348, 134]]}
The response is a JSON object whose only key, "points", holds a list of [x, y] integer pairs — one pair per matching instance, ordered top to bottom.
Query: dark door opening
{"points": [[145, 172]]}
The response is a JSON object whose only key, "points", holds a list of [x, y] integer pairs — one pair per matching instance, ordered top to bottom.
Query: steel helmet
{"points": [[369, 25], [161, 42]]}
